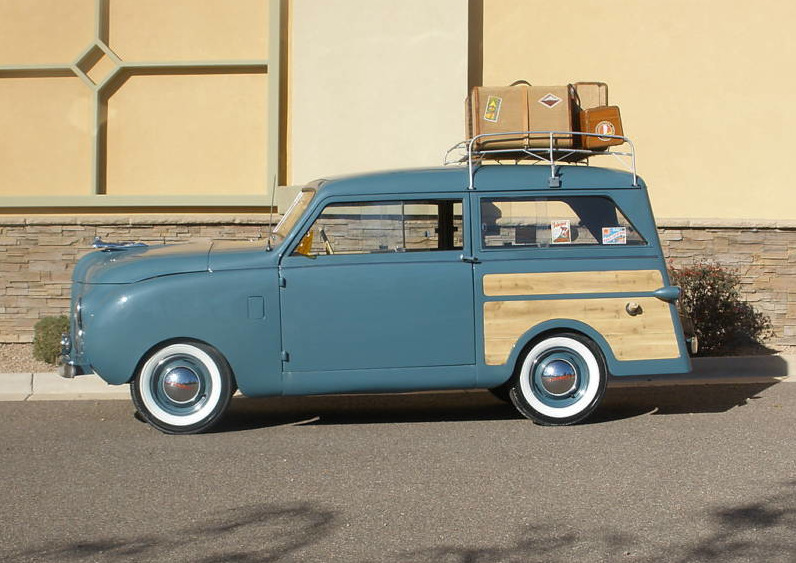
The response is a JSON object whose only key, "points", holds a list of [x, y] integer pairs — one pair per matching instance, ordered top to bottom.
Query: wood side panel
{"points": [[556, 283], [647, 336]]}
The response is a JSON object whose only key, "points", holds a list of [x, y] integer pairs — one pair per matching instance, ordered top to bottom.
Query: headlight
{"points": [[79, 314], [78, 336]]}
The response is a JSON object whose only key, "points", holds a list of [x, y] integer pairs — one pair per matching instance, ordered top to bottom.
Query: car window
{"points": [[293, 213], [555, 221], [384, 226]]}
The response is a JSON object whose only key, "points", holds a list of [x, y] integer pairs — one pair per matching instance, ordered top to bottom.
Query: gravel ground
{"points": [[18, 358]]}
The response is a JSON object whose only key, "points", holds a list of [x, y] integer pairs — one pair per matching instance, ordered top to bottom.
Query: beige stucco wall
{"points": [[374, 84], [703, 85], [185, 116]]}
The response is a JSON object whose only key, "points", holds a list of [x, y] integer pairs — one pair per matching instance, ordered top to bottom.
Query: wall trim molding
{"points": [[263, 218], [140, 220], [704, 223]]}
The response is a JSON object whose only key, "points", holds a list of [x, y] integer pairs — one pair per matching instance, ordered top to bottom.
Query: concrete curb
{"points": [[721, 370], [734, 370], [50, 386]]}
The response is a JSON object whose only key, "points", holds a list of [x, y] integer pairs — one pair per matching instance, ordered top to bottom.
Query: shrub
{"points": [[723, 320], [47, 338]]}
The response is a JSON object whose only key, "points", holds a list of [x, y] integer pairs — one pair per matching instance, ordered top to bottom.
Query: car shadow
{"points": [[627, 402], [459, 406], [246, 413]]}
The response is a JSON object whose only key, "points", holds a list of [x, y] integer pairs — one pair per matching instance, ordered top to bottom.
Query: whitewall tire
{"points": [[560, 380], [183, 388]]}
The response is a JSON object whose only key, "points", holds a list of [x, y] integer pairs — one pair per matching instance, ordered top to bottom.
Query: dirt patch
{"points": [[18, 358]]}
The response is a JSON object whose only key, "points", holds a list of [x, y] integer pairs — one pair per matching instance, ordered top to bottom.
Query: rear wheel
{"points": [[561, 380], [183, 388]]}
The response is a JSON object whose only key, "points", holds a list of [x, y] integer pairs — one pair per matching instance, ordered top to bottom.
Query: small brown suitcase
{"points": [[497, 110], [603, 120]]}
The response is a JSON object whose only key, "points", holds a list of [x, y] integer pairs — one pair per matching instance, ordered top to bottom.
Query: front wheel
{"points": [[561, 380], [183, 388]]}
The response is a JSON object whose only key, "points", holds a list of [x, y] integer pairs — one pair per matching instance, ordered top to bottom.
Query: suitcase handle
{"points": [[516, 82], [603, 84], [573, 94]]}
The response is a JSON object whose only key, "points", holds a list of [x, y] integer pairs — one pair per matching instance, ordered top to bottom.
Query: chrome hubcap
{"points": [[559, 378], [181, 385]]}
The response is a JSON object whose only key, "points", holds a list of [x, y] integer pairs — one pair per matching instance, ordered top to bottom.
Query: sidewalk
{"points": [[725, 370]]}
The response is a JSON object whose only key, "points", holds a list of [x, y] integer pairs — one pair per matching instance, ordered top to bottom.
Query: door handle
{"points": [[469, 259]]}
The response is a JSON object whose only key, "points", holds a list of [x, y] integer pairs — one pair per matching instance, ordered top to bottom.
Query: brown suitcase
{"points": [[550, 109], [495, 110], [603, 120]]}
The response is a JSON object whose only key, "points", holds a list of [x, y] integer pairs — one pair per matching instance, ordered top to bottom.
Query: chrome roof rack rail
{"points": [[551, 153]]}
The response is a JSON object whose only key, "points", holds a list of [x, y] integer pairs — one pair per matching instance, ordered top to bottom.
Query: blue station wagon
{"points": [[482, 277]]}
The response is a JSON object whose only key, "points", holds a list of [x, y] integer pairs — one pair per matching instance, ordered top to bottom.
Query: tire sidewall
{"points": [[216, 377], [590, 392]]}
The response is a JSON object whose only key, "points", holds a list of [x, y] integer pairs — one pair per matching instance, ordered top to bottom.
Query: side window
{"points": [[561, 221], [385, 226]]}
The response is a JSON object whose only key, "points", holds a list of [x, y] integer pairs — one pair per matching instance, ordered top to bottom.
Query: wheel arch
{"points": [[552, 328], [180, 340]]}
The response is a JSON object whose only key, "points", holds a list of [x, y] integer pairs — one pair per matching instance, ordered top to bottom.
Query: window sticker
{"points": [[492, 111], [560, 232], [614, 235]]}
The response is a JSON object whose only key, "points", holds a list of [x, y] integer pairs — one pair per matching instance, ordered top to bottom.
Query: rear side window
{"points": [[555, 221], [385, 226]]}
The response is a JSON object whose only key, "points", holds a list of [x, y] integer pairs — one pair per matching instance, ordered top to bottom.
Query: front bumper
{"points": [[67, 368]]}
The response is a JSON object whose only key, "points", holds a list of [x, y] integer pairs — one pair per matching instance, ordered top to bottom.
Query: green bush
{"points": [[723, 320], [47, 338]]}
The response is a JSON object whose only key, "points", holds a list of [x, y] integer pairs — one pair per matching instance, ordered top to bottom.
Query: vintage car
{"points": [[493, 277]]}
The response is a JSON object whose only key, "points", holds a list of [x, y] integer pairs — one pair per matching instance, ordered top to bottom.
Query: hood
{"points": [[240, 255], [138, 263], [128, 265]]}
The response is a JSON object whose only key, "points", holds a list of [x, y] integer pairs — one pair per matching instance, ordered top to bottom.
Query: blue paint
{"points": [[381, 322]]}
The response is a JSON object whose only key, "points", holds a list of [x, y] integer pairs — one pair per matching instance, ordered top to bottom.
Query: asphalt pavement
{"points": [[700, 473]]}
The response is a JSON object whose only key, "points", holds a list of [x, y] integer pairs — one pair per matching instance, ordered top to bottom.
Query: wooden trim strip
{"points": [[563, 283]]}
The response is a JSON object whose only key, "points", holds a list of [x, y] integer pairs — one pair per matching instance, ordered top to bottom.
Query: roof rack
{"points": [[473, 151]]}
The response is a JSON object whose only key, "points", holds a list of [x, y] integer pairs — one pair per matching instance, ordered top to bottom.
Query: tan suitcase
{"points": [[591, 94], [550, 109], [497, 110], [604, 121]]}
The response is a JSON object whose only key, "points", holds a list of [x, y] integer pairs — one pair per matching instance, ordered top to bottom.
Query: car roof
{"points": [[492, 177]]}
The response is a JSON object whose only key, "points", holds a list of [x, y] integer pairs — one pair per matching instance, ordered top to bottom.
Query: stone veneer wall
{"points": [[763, 253], [37, 255]]}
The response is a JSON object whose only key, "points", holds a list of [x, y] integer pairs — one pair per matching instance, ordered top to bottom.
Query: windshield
{"points": [[292, 215]]}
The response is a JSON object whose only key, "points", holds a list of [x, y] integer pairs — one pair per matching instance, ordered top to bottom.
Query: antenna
{"points": [[271, 216]]}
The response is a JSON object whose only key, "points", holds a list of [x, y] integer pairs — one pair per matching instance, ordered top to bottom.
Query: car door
{"points": [[379, 284]]}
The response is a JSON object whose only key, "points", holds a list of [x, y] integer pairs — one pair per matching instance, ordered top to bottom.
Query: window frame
{"points": [[322, 204], [589, 248]]}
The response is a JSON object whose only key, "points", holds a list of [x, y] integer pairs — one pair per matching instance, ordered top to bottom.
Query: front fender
{"points": [[235, 312]]}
